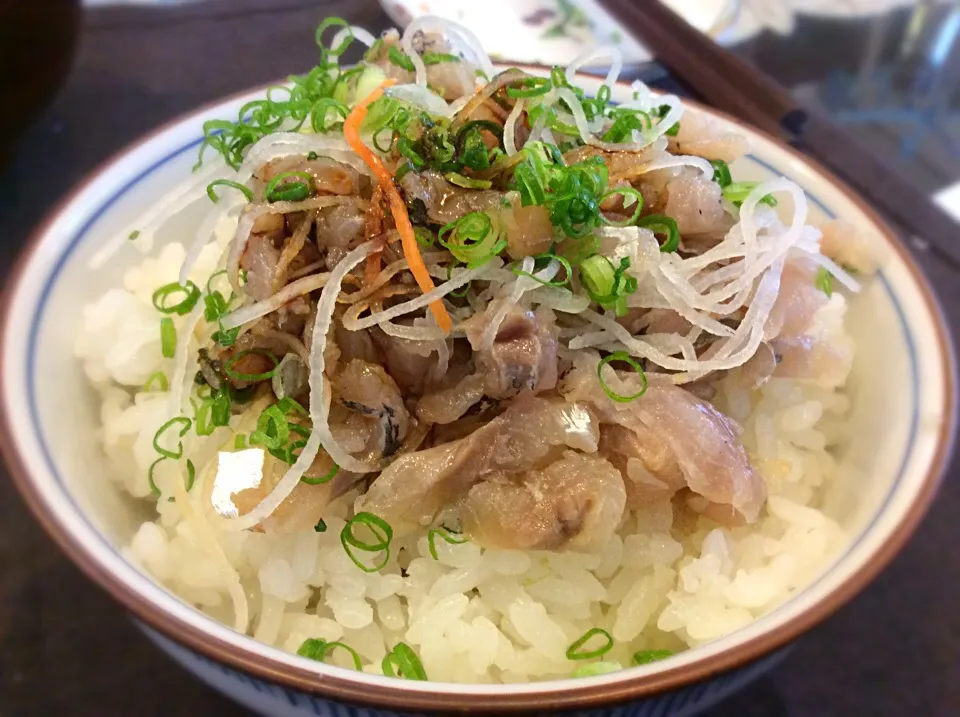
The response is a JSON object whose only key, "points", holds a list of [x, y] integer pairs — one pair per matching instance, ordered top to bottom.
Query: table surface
{"points": [[67, 649]]}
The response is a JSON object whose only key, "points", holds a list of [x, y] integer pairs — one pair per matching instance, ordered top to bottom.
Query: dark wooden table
{"points": [[66, 649]]}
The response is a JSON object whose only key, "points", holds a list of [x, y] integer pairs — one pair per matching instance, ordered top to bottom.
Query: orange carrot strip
{"points": [[408, 240]]}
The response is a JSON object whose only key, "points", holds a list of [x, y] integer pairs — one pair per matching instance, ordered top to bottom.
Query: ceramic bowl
{"points": [[902, 419]]}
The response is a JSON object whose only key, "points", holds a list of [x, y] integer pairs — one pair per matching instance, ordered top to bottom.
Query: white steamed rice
{"points": [[477, 615]]}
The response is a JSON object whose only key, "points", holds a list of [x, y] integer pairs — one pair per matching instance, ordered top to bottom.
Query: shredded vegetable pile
{"points": [[428, 252]]}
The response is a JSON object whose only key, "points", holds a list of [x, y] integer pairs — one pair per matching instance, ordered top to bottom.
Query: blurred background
{"points": [[82, 80]]}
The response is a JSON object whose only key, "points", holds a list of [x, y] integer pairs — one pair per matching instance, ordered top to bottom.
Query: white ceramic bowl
{"points": [[902, 392]]}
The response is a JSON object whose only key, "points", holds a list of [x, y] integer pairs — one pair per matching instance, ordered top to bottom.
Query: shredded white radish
{"points": [[452, 31], [358, 34], [612, 54], [422, 97], [510, 127], [282, 144], [687, 160], [169, 205], [232, 206], [460, 278], [288, 293], [513, 296], [185, 336], [319, 402], [207, 541]]}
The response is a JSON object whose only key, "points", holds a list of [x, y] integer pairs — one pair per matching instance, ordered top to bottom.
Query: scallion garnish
{"points": [[436, 58], [400, 59], [529, 87], [662, 113], [721, 173], [467, 182], [281, 189], [246, 191], [736, 192], [627, 193], [663, 225], [133, 235], [472, 239], [824, 281], [606, 284], [189, 292], [168, 337], [626, 358], [238, 376], [159, 378], [213, 412], [185, 424], [239, 442], [191, 475], [325, 478], [320, 527], [382, 535], [447, 535], [318, 650], [576, 650], [645, 657], [403, 662], [597, 668]]}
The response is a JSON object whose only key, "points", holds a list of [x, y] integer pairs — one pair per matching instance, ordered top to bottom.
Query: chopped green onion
{"points": [[436, 58], [400, 59], [530, 87], [319, 112], [624, 124], [311, 155], [721, 173], [467, 182], [279, 189], [246, 191], [736, 192], [626, 193], [661, 224], [133, 235], [424, 236], [472, 239], [548, 256], [824, 281], [609, 286], [190, 292], [168, 337], [226, 337], [626, 358], [236, 375], [158, 377], [213, 412], [185, 424], [273, 430], [239, 442], [191, 475], [326, 478], [320, 527], [382, 533], [449, 536], [319, 649], [576, 651], [645, 657], [403, 662], [597, 668]]}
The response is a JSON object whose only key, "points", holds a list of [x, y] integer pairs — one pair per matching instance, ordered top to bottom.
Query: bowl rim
{"points": [[591, 693]]}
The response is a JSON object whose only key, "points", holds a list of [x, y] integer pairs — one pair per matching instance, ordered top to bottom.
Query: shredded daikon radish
{"points": [[451, 30], [358, 34], [599, 53], [422, 97], [509, 127], [282, 144], [681, 161], [170, 204], [231, 208], [460, 278], [288, 293], [513, 296], [185, 335], [319, 402], [207, 542]]}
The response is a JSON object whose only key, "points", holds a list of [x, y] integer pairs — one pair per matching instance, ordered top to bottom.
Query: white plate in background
{"points": [[553, 32]]}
